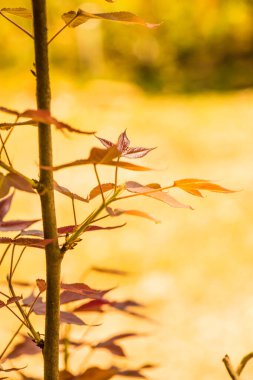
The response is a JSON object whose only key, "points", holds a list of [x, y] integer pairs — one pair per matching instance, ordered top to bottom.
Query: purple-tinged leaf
{"points": [[123, 143], [108, 144], [137, 152], [19, 183], [4, 185], [135, 187], [97, 190], [68, 193], [5, 205], [142, 214], [16, 225], [97, 228], [62, 231], [37, 233], [36, 243], [110, 271], [85, 290], [2, 304], [93, 306], [39, 308], [110, 345], [25, 347], [135, 373]]}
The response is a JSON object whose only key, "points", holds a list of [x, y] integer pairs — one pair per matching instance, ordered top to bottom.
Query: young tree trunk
{"points": [[53, 255]]}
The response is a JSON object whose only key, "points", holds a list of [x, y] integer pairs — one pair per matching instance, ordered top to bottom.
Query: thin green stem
{"points": [[18, 26], [10, 169], [116, 175], [99, 183], [74, 210]]}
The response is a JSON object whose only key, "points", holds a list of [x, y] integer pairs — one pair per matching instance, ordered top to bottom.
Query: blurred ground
{"points": [[194, 269]]}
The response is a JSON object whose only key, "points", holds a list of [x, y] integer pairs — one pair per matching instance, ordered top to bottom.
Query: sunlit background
{"points": [[184, 88]]}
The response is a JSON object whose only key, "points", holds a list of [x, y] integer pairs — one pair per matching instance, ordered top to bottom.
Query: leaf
{"points": [[22, 12], [74, 19], [11, 112], [44, 116], [123, 147], [100, 157], [19, 183], [193, 185], [4, 186], [135, 187], [96, 191], [68, 193], [5, 205], [142, 214], [16, 225], [97, 228], [36, 243], [109, 271], [41, 284], [84, 290], [13, 300], [39, 308], [110, 345], [25, 347], [95, 373], [135, 373]]}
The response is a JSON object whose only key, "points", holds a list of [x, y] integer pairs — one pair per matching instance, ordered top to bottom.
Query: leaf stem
{"points": [[18, 26], [61, 30], [5, 150], [10, 169], [116, 175], [99, 183], [74, 210], [18, 260], [10, 341]]}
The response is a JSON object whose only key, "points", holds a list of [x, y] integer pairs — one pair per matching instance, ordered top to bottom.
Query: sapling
{"points": [[57, 241]]}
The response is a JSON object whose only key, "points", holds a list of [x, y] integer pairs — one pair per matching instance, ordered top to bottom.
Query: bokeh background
{"points": [[186, 88]]}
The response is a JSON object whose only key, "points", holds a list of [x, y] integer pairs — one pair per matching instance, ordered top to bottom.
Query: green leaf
{"points": [[22, 12], [74, 19]]}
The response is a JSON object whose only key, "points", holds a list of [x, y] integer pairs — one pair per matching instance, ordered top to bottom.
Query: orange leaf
{"points": [[193, 186]]}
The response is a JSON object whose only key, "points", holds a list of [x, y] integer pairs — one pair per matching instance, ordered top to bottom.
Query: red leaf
{"points": [[80, 17], [44, 116], [108, 144], [137, 152], [193, 185], [135, 187], [68, 193], [142, 214], [16, 225], [96, 228], [36, 243], [41, 284], [84, 290], [13, 300], [110, 345], [25, 347]]}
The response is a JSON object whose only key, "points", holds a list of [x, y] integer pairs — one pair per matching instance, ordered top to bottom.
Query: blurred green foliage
{"points": [[200, 45]]}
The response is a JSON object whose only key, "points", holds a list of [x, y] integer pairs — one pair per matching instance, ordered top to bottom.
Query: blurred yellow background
{"points": [[185, 88]]}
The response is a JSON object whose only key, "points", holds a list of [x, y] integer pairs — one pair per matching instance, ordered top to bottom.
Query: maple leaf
{"points": [[123, 146]]}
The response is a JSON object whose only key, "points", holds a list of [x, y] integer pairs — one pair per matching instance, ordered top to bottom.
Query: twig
{"points": [[18, 26], [61, 30], [9, 134], [5, 150], [10, 169], [116, 175], [74, 210], [4, 254], [18, 260], [10, 341], [243, 363], [232, 372]]}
